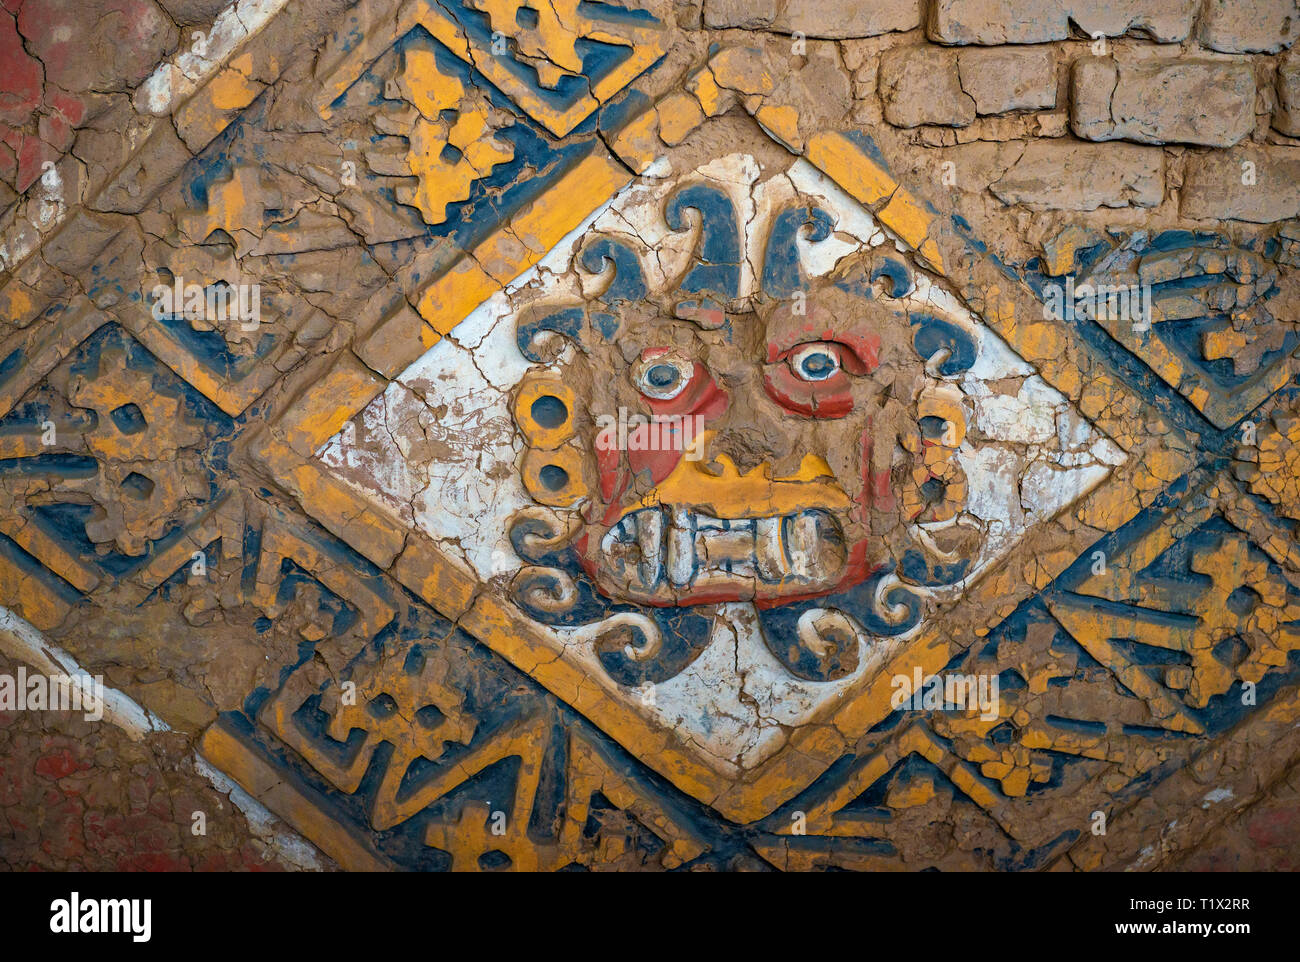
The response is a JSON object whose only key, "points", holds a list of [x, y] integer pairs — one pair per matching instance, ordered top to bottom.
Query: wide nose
{"points": [[753, 433]]}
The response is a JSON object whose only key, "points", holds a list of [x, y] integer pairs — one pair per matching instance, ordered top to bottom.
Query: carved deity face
{"points": [[707, 439], [744, 456]]}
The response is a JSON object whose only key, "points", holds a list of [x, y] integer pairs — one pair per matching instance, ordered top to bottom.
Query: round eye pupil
{"points": [[819, 365], [662, 375]]}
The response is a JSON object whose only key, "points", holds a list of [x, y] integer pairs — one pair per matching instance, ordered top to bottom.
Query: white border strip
{"points": [[175, 80], [20, 640]]}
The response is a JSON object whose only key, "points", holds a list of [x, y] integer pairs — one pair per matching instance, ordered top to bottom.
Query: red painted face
{"points": [[743, 469]]}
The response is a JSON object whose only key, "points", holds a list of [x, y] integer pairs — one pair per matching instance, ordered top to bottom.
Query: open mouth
{"points": [[673, 554]]}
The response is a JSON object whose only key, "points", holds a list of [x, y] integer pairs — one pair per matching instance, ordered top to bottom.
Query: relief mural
{"points": [[496, 434]]}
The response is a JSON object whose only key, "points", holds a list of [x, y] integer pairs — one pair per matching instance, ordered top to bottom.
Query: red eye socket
{"points": [[812, 379], [673, 382]]}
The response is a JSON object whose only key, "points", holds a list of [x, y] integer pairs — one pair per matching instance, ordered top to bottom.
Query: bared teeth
{"points": [[622, 533], [650, 540], [728, 544], [801, 544], [813, 544], [681, 548], [690, 550], [769, 555]]}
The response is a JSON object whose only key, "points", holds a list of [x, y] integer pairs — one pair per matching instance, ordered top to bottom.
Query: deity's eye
{"points": [[815, 362], [662, 376]]}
